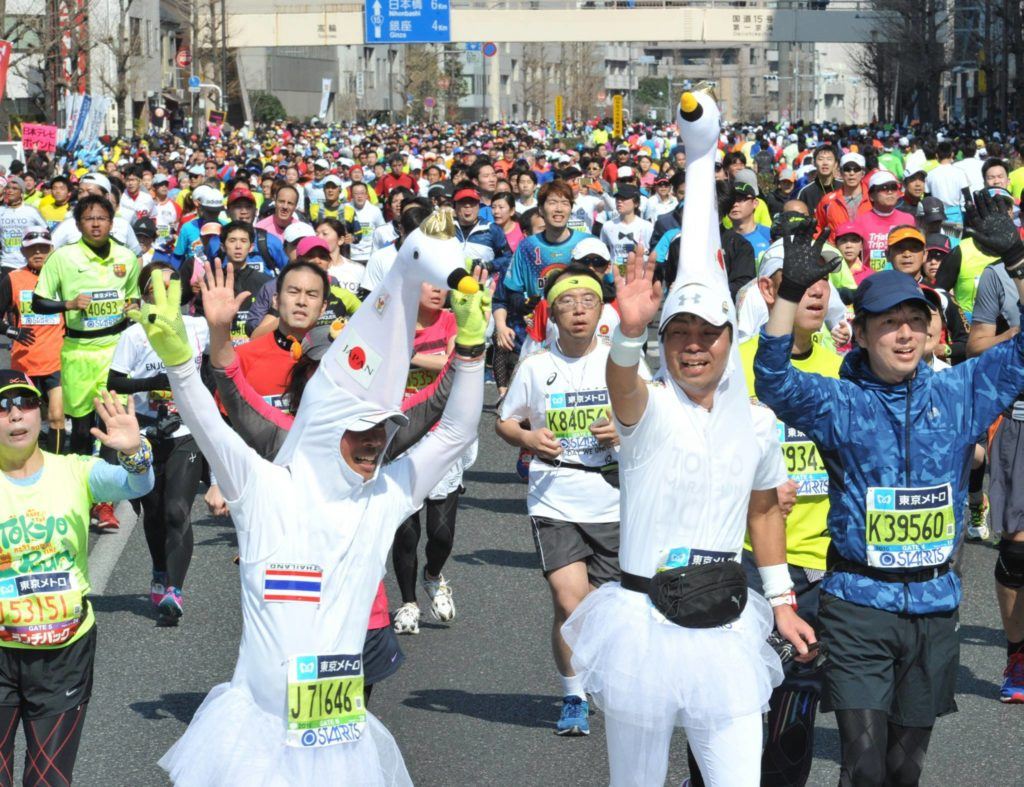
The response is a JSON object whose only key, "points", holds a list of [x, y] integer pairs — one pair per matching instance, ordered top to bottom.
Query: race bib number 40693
{"points": [[909, 528]]}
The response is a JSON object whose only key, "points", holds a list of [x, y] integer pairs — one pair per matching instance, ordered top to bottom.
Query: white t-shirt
{"points": [[972, 169], [945, 182], [141, 205], [655, 208], [584, 209], [166, 215], [369, 218], [13, 223], [67, 232], [384, 235], [623, 238], [378, 265], [349, 275], [135, 357], [566, 395], [686, 475]]}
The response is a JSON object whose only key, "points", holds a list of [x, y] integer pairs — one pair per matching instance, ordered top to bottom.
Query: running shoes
{"points": [[103, 517], [977, 527], [157, 587], [171, 607], [442, 607], [407, 619], [1013, 680], [575, 717]]}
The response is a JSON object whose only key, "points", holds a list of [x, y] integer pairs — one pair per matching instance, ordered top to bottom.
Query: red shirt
{"points": [[390, 182], [267, 364]]}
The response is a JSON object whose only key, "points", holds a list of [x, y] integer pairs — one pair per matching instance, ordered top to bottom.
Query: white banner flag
{"points": [[325, 97]]}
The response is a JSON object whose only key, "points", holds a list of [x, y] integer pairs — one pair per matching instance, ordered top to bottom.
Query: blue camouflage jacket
{"points": [[891, 442]]}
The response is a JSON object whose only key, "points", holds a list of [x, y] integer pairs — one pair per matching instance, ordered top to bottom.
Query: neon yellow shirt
{"points": [[1017, 183], [807, 524]]}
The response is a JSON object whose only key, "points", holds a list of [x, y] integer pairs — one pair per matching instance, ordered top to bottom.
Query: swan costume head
{"points": [[701, 286], [361, 378]]}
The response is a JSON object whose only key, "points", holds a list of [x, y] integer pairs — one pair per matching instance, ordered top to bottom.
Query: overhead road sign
{"points": [[408, 21]]}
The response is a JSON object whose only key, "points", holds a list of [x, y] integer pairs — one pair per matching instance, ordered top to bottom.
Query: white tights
{"points": [[729, 754]]}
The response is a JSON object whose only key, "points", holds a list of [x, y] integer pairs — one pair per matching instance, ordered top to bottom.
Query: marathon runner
{"points": [[896, 511], [47, 623]]}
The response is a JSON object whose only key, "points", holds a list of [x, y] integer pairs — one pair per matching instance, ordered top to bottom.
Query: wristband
{"points": [[1013, 261], [626, 351], [139, 462], [775, 580], [787, 599]]}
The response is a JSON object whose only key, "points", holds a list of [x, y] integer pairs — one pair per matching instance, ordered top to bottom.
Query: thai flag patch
{"points": [[292, 582]]}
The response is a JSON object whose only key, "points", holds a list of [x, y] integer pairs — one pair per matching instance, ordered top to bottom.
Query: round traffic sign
{"points": [[490, 49], [184, 58], [193, 81], [429, 102]]}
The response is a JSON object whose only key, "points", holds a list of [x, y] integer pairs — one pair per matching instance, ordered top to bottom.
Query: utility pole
{"points": [[223, 58]]}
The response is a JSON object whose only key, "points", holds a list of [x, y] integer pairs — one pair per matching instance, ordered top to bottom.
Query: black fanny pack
{"points": [[695, 597]]}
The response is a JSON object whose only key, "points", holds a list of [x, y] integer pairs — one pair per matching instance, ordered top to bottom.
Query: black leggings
{"points": [[503, 364], [81, 440], [167, 509], [440, 539], [51, 746], [878, 753]]}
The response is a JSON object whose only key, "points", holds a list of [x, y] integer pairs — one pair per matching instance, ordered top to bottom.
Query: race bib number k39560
{"points": [[909, 528]]}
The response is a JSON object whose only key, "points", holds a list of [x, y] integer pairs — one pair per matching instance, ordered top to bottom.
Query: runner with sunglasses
{"points": [[47, 625]]}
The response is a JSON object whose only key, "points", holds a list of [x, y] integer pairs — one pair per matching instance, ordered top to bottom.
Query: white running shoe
{"points": [[977, 521], [440, 592], [407, 619]]}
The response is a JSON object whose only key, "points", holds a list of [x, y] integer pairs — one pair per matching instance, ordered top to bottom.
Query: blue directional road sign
{"points": [[408, 21], [193, 81]]}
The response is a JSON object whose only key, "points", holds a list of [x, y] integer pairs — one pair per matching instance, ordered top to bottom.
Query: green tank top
{"points": [[972, 265]]}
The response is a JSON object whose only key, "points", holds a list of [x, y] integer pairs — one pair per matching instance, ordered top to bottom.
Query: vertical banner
{"points": [[5, 63], [325, 97], [83, 112], [559, 114], [617, 115], [95, 121]]}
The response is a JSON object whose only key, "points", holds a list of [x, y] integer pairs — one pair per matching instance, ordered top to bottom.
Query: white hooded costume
{"points": [[686, 475], [312, 538]]}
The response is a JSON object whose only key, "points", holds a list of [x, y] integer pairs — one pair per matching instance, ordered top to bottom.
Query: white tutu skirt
{"points": [[645, 670], [232, 741]]}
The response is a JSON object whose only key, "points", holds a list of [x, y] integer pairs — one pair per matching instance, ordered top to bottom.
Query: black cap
{"points": [[742, 189], [627, 191], [932, 209], [145, 227], [937, 241], [884, 290], [10, 380]]}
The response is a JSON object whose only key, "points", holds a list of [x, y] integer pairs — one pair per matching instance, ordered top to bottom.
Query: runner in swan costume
{"points": [[695, 469], [314, 532]]}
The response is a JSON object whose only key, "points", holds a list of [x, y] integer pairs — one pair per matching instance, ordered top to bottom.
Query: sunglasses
{"points": [[852, 168], [887, 187], [35, 235], [594, 261], [23, 402]]}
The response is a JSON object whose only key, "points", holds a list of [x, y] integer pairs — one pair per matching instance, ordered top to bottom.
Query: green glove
{"points": [[471, 312], [162, 323]]}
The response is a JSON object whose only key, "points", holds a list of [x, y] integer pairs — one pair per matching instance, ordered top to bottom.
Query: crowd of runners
{"points": [[761, 383]]}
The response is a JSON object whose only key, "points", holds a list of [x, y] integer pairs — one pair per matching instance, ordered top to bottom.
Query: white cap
{"points": [[904, 142], [173, 156], [852, 158], [321, 163], [196, 169], [624, 172], [787, 174], [881, 177], [160, 178], [97, 179], [332, 179], [208, 197], [298, 230], [590, 246], [699, 298], [368, 422]]}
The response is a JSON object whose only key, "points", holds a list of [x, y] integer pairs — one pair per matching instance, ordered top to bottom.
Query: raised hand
{"points": [[993, 230], [802, 264], [217, 289], [637, 294], [473, 311], [122, 428]]}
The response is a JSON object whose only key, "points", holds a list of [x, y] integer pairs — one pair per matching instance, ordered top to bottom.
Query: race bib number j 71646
{"points": [[909, 528], [325, 700]]}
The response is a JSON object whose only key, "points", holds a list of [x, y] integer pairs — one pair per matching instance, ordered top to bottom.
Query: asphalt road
{"points": [[476, 700]]}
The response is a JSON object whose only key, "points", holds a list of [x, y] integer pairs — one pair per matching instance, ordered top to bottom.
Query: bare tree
{"points": [[120, 51], [433, 72], [580, 74], [537, 86]]}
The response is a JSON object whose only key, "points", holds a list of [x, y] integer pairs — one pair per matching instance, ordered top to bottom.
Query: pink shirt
{"points": [[269, 225], [874, 229], [514, 236], [432, 340]]}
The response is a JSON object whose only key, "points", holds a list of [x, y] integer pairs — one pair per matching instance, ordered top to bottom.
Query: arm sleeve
{"points": [[739, 262], [949, 270], [6, 297], [41, 305], [957, 331], [995, 378], [123, 384], [800, 399], [423, 409], [261, 426], [432, 456], [231, 460], [113, 482]]}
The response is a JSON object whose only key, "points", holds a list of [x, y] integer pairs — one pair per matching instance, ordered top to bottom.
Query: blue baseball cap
{"points": [[884, 290]]}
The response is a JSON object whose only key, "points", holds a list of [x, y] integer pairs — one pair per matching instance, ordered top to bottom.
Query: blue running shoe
{"points": [[171, 607], [1013, 680], [574, 719]]}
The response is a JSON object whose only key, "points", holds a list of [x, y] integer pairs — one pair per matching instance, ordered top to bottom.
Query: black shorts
{"points": [[48, 382], [560, 543], [381, 655], [902, 664], [47, 682]]}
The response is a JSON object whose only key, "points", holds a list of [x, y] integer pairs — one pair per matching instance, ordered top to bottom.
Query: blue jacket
{"points": [[485, 242], [917, 434]]}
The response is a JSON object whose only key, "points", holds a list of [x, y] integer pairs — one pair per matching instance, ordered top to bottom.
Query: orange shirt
{"points": [[42, 357]]}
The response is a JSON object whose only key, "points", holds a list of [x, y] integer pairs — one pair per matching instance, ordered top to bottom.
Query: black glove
{"points": [[994, 231], [802, 264], [23, 335]]}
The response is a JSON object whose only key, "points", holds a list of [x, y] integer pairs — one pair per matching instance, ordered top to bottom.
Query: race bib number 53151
{"points": [[909, 528]]}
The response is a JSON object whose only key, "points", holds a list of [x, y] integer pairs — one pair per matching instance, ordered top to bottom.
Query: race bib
{"points": [[877, 259], [105, 310], [28, 317], [238, 334], [419, 379], [569, 416], [803, 462], [909, 528], [680, 557], [40, 609], [325, 700]]}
